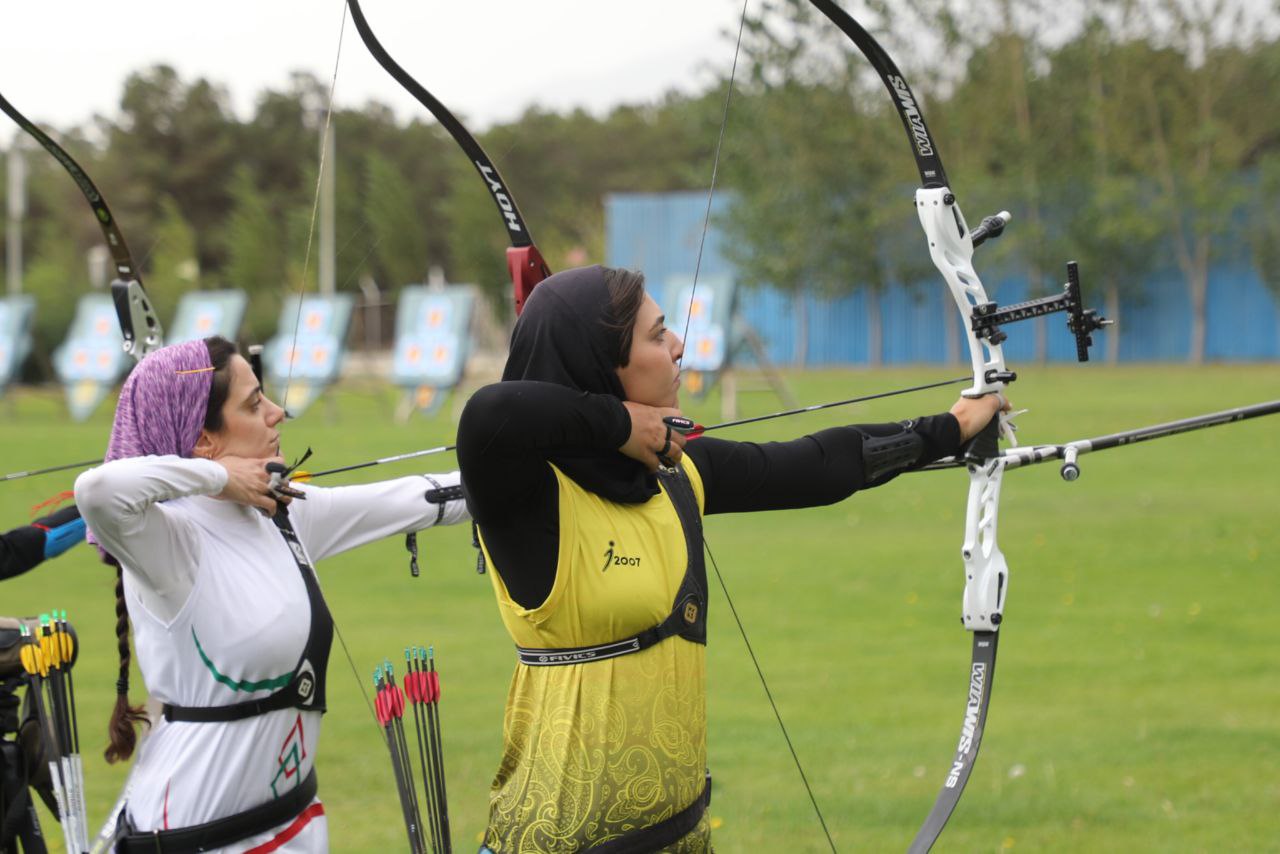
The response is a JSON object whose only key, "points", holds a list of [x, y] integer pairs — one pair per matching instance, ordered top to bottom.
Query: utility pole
{"points": [[328, 159], [17, 205]]}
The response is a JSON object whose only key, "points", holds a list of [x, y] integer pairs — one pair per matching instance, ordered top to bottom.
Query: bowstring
{"points": [[715, 170], [315, 206], [693, 290], [297, 320], [795, 757]]}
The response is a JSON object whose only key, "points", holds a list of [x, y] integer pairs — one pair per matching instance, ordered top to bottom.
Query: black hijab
{"points": [[568, 335]]}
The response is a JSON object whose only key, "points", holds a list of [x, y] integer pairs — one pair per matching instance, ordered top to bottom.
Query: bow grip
{"points": [[984, 445]]}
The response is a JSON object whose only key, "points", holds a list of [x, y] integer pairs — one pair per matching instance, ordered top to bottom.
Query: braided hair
{"points": [[122, 730]]}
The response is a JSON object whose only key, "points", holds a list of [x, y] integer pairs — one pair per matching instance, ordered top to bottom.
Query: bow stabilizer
{"points": [[1069, 452]]}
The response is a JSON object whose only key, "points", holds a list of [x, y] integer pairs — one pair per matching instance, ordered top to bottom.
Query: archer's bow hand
{"points": [[975, 413]]}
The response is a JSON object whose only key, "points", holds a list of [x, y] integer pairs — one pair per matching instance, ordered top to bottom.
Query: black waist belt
{"points": [[683, 621], [282, 699], [221, 832], [657, 836]]}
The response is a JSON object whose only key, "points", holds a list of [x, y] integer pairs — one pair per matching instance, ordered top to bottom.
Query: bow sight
{"points": [[987, 316], [1082, 322]]}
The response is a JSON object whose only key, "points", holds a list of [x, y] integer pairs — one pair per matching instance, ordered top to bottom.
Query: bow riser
{"points": [[951, 248], [527, 269], [134, 311], [985, 571]]}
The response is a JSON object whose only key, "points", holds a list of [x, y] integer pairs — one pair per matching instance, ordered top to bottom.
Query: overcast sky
{"points": [[62, 62]]}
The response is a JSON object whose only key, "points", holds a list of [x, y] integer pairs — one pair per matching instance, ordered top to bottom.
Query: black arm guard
{"points": [[883, 456]]}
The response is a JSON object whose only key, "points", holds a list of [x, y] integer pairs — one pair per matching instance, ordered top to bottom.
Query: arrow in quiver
{"points": [[46, 650], [421, 690]]}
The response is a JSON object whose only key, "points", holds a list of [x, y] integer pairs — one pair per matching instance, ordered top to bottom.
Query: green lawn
{"points": [[1137, 699]]}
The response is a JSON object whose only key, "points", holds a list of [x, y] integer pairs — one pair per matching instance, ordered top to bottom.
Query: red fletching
{"points": [[410, 687], [415, 687], [433, 687], [396, 702], [380, 706]]}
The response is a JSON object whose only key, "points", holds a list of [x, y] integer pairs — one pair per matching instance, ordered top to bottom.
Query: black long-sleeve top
{"points": [[508, 431], [25, 548]]}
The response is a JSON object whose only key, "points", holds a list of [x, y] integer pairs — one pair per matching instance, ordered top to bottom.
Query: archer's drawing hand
{"points": [[974, 413], [652, 442], [249, 482]]}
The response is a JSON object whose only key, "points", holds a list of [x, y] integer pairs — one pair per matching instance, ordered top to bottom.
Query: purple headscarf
{"points": [[162, 405]]}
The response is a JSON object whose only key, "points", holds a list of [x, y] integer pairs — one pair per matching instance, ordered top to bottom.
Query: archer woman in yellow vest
{"points": [[589, 510]]}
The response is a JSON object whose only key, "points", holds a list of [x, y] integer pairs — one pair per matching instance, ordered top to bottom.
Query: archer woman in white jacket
{"points": [[215, 573]]}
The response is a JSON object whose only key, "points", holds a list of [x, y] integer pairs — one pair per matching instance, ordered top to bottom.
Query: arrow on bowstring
{"points": [[689, 427], [693, 431], [381, 461], [17, 475]]}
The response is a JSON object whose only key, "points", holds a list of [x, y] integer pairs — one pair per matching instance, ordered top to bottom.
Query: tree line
{"points": [[1134, 137]]}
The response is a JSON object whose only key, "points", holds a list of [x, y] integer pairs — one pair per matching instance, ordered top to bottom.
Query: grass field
{"points": [[1137, 700]]}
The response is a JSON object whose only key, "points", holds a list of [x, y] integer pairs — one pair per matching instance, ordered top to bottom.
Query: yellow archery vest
{"points": [[605, 747]]}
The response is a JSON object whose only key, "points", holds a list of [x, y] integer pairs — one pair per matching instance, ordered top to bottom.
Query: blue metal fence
{"points": [[659, 233]]}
